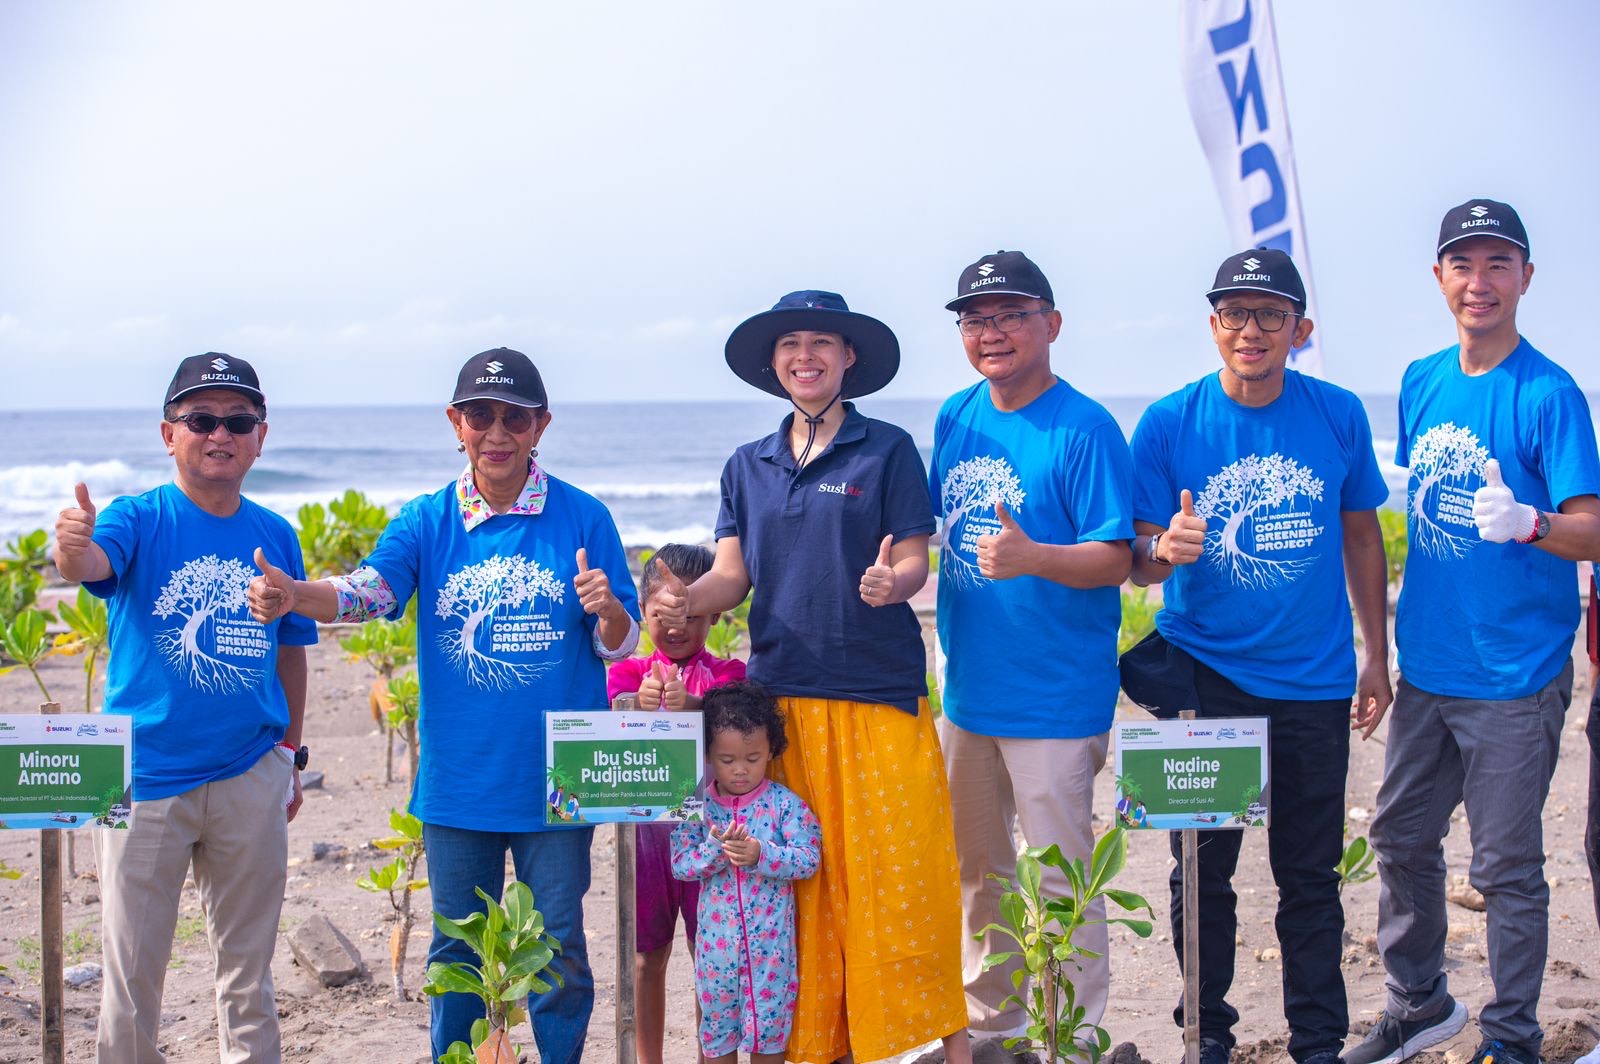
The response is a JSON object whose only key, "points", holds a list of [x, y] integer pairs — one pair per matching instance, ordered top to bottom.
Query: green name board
{"points": [[622, 767], [66, 771], [1209, 773]]}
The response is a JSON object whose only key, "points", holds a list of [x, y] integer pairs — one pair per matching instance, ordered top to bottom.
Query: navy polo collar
{"points": [[852, 430]]}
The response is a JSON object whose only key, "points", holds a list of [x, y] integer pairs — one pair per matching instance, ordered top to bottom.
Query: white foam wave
{"points": [[54, 483], [663, 490], [645, 536]]}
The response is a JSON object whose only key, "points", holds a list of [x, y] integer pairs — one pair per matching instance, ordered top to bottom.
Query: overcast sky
{"points": [[356, 196]]}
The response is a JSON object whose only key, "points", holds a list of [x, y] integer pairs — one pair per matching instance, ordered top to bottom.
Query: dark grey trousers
{"points": [[1499, 757]]}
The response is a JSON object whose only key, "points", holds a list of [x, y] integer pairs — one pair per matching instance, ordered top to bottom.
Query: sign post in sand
{"points": [[61, 771], [1192, 775]]}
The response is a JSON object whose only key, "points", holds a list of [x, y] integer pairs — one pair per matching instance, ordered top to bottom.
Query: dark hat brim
{"points": [[749, 347]]}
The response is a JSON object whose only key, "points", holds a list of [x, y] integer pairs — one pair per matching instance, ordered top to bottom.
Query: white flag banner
{"points": [[1235, 88]]}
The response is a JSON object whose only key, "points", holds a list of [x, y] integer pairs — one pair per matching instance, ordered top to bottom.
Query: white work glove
{"points": [[1497, 513]]}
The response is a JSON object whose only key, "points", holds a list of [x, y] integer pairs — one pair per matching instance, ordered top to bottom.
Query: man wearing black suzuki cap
{"points": [[1032, 481], [1255, 498], [1502, 502], [217, 702]]}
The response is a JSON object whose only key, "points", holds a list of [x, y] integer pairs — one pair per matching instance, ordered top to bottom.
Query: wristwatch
{"points": [[1541, 526], [1150, 550], [302, 755]]}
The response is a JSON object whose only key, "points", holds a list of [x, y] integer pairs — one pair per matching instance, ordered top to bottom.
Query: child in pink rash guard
{"points": [[672, 678], [757, 838]]}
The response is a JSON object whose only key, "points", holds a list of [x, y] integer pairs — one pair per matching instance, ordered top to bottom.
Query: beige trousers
{"points": [[1046, 786], [234, 833]]}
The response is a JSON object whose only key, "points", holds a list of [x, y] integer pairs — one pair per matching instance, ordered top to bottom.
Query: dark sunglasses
{"points": [[482, 419], [206, 424]]}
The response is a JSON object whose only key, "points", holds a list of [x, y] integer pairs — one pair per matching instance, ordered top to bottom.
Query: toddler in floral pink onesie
{"points": [[756, 838]]}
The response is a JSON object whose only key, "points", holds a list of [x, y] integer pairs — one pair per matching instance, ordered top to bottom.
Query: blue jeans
{"points": [[1309, 752], [555, 866]]}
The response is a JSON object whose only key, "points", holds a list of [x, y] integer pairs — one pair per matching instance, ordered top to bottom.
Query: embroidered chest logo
{"points": [[1446, 468], [841, 488], [967, 498], [1268, 527], [497, 628], [217, 646]]}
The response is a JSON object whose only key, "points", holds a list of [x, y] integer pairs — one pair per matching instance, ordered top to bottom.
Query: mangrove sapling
{"points": [[335, 539], [22, 573], [86, 634], [26, 643], [387, 647], [405, 702], [1355, 864], [399, 880], [1043, 929], [513, 949]]}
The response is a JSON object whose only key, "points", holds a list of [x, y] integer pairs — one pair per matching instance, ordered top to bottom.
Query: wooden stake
{"points": [[627, 936], [1191, 938], [52, 1035]]}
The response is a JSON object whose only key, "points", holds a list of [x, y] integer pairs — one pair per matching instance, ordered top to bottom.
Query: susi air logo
{"points": [[1446, 469], [972, 486], [1266, 529], [504, 638], [218, 648]]}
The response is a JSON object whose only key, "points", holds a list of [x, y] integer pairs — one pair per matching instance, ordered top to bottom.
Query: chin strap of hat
{"points": [[812, 421]]}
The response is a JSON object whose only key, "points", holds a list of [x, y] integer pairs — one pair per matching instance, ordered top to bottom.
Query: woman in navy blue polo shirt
{"points": [[828, 520]]}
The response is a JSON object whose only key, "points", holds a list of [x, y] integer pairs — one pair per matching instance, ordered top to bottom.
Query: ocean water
{"points": [[656, 465]]}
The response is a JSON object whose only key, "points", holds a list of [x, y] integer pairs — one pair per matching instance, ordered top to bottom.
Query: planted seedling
{"points": [[399, 880]]}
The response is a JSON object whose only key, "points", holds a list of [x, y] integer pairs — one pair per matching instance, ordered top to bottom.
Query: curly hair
{"points": [[685, 561], [745, 708]]}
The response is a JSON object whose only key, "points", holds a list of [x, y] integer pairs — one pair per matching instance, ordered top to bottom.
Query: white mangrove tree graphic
{"points": [[1445, 452], [975, 484], [1241, 492], [197, 592], [474, 594]]}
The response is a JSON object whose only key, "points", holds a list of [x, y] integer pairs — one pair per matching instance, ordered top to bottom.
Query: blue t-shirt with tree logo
{"points": [[1265, 604], [1479, 619], [501, 641], [1028, 657], [196, 672]]}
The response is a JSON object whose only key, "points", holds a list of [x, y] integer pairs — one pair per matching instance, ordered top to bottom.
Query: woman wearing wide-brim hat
{"points": [[827, 520]]}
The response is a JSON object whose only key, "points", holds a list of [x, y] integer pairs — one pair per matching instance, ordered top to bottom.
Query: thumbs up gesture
{"points": [[1497, 513], [75, 526], [1185, 538], [1007, 553], [877, 583], [593, 588], [270, 595], [670, 599], [651, 685]]}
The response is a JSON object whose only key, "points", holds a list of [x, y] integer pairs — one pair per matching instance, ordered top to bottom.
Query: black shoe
{"points": [[1391, 1041], [1494, 1051], [1211, 1052], [1326, 1056]]}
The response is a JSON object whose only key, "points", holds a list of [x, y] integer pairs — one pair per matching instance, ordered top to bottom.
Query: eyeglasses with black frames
{"points": [[1270, 319], [1008, 322], [482, 418], [205, 424]]}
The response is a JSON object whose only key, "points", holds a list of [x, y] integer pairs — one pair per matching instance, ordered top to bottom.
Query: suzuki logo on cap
{"points": [[1479, 211], [1251, 264], [986, 269], [219, 364], [495, 367]]}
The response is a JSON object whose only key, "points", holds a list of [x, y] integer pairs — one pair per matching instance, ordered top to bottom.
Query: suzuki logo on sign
{"points": [[1479, 211], [1251, 264], [986, 269], [219, 364], [496, 366]]}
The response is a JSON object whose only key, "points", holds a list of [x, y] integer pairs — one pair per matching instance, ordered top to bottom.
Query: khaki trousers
{"points": [[1046, 786], [234, 833]]}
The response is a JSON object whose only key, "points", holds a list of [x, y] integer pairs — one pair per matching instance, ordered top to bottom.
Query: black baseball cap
{"points": [[1482, 217], [1259, 270], [1004, 273], [749, 347], [214, 370], [502, 374]]}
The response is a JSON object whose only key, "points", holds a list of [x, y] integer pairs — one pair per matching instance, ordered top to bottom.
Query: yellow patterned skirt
{"points": [[879, 925]]}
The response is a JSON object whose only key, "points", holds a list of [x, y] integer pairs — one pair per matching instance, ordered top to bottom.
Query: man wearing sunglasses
{"points": [[1031, 479], [1255, 500], [1503, 502], [217, 701]]}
